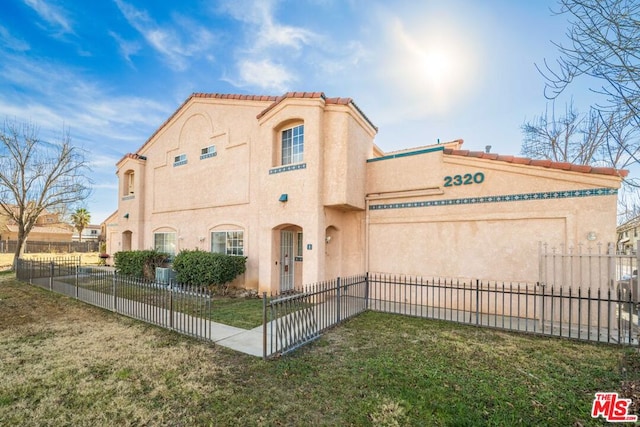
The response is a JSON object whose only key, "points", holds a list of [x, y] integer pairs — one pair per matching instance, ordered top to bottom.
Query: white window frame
{"points": [[292, 145], [207, 152], [180, 160], [233, 242], [167, 245]]}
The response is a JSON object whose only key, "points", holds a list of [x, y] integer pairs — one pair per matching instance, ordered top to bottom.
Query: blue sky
{"points": [[112, 71]]}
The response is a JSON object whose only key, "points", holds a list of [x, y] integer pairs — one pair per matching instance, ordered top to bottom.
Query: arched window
{"points": [[129, 182]]}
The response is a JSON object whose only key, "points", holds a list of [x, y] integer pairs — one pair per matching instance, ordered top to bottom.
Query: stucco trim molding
{"points": [[548, 195]]}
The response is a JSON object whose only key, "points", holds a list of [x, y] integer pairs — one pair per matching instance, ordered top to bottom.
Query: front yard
{"points": [[65, 363]]}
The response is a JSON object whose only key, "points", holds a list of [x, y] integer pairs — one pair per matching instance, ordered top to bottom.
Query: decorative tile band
{"points": [[206, 156], [180, 163], [288, 168], [549, 195], [128, 197]]}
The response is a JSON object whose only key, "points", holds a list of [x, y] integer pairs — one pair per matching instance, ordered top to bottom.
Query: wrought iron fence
{"points": [[181, 308], [608, 315], [291, 321]]}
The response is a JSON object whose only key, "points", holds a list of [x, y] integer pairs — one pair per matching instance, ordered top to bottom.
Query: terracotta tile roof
{"points": [[316, 95], [264, 98], [275, 100], [545, 163], [42, 229]]}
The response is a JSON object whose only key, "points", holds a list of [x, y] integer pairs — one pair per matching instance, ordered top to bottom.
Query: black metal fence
{"points": [[33, 246], [184, 309], [599, 315], [291, 321]]}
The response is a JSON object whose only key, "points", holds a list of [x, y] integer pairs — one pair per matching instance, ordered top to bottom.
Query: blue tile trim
{"points": [[406, 154], [206, 156], [183, 162], [288, 168], [550, 195]]}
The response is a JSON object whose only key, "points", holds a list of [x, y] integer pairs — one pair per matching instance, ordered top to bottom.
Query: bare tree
{"points": [[603, 43], [570, 137], [36, 176]]}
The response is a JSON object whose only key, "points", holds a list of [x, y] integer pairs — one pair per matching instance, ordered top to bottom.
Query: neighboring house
{"points": [[296, 184], [48, 228], [90, 233], [628, 236]]}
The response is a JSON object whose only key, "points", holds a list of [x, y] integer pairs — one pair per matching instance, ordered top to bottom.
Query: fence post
{"points": [[51, 267], [77, 277], [366, 290], [114, 293], [338, 300], [477, 301], [170, 304], [264, 325]]}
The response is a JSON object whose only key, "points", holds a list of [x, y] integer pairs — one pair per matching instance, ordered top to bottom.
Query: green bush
{"points": [[140, 263], [197, 267]]}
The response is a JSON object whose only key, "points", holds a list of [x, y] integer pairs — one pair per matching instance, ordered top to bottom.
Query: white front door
{"points": [[286, 261]]}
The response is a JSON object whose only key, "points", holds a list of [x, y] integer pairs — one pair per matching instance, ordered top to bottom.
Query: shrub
{"points": [[140, 263], [200, 268]]}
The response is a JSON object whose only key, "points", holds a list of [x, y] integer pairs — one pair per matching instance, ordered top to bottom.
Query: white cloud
{"points": [[53, 15], [11, 42], [176, 42], [127, 48], [264, 74]]}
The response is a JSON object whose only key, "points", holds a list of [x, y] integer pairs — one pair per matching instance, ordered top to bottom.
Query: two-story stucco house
{"points": [[296, 184]]}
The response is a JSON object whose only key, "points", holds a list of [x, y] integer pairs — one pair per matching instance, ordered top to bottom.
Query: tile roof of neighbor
{"points": [[533, 162], [41, 229]]}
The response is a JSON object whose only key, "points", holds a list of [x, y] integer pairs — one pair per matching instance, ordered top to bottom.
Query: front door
{"points": [[286, 261]]}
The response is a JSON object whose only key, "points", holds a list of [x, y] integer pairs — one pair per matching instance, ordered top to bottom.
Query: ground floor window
{"points": [[165, 242], [227, 242]]}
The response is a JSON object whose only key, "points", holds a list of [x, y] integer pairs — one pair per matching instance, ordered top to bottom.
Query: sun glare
{"points": [[437, 66]]}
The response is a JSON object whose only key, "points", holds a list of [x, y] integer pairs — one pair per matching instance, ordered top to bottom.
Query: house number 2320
{"points": [[466, 179]]}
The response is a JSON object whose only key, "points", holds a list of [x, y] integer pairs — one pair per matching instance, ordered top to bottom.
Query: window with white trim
{"points": [[293, 145], [207, 152], [180, 160], [165, 242], [227, 242], [299, 245]]}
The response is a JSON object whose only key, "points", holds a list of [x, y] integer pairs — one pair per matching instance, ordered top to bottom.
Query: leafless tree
{"points": [[603, 43], [569, 137], [36, 175]]}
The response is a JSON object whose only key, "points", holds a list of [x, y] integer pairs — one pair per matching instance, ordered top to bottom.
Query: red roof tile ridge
{"points": [[546, 163]]}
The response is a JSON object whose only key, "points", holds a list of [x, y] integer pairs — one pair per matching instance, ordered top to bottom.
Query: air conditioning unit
{"points": [[164, 275]]}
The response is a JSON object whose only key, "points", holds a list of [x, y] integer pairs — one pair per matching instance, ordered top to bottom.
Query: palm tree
{"points": [[80, 218]]}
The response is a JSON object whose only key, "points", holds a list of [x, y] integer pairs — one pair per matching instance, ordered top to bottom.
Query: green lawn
{"points": [[242, 312], [65, 363]]}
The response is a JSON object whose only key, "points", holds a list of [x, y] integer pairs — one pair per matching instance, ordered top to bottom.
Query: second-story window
{"points": [[293, 145], [207, 152], [180, 160], [128, 182]]}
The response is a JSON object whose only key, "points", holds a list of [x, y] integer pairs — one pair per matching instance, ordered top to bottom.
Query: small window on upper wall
{"points": [[293, 145], [207, 152], [180, 160], [129, 182]]}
